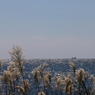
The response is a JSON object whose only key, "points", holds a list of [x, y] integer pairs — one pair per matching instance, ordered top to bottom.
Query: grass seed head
{"points": [[73, 66], [35, 75], [81, 75], [7, 76], [26, 85], [68, 85], [21, 89], [41, 93]]}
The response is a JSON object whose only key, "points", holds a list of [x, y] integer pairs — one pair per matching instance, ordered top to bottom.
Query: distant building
{"points": [[73, 57]]}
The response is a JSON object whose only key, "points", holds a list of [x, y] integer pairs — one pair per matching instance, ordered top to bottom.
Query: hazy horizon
{"points": [[48, 29]]}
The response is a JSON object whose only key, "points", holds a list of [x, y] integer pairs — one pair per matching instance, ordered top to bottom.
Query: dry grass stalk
{"points": [[16, 56], [11, 66], [73, 66], [41, 69], [14, 70], [15, 74], [35, 75], [81, 75], [7, 76], [92, 78], [47, 79], [59, 82], [64, 83], [26, 85], [68, 85], [21, 89], [41, 93]]}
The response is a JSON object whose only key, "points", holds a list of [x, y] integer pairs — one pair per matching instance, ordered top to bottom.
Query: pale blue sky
{"points": [[48, 28]]}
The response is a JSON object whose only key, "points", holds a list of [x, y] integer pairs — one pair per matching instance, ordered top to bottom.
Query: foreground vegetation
{"points": [[41, 81]]}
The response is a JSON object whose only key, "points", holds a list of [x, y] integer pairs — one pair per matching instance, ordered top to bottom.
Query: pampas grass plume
{"points": [[73, 66], [35, 75], [80, 75], [7, 76], [26, 85], [21, 89], [41, 93]]}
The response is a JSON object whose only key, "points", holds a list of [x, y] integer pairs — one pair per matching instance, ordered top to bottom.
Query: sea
{"points": [[55, 66]]}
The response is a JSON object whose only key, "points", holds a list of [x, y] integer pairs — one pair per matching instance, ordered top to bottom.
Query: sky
{"points": [[48, 28]]}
